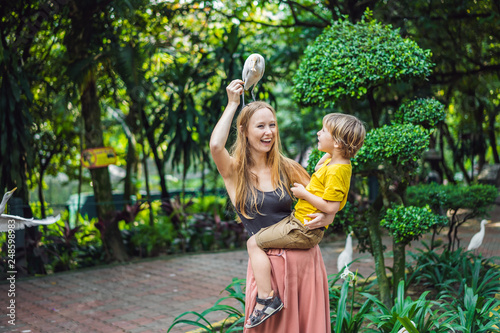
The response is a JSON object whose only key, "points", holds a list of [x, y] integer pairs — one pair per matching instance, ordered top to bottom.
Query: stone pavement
{"points": [[145, 296]]}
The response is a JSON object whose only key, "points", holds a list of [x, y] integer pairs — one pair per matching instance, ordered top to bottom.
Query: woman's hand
{"points": [[234, 91], [299, 191], [319, 220]]}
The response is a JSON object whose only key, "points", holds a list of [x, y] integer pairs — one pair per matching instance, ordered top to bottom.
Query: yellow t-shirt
{"points": [[330, 182]]}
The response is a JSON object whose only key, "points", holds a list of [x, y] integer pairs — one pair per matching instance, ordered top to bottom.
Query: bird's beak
{"points": [[254, 63], [12, 191]]}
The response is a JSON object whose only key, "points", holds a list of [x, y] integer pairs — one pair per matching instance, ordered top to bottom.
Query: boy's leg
{"points": [[261, 267], [268, 301]]}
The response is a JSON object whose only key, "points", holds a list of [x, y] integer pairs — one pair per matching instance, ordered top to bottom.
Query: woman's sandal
{"points": [[272, 304]]}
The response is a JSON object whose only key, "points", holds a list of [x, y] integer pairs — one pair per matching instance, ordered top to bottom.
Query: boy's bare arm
{"points": [[328, 207]]}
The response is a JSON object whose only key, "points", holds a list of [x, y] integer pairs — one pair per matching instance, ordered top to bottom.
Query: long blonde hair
{"points": [[284, 171]]}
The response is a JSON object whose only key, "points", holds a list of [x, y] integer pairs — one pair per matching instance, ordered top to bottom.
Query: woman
{"points": [[257, 178]]}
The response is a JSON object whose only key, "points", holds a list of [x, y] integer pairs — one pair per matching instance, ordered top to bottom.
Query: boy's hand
{"points": [[299, 190]]}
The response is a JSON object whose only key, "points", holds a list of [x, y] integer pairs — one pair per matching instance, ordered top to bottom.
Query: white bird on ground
{"points": [[253, 70], [19, 222], [477, 239], [345, 257]]}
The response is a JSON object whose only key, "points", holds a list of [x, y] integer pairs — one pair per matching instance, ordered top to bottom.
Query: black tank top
{"points": [[272, 209]]}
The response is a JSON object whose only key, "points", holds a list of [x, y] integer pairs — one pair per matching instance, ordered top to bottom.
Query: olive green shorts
{"points": [[288, 233]]}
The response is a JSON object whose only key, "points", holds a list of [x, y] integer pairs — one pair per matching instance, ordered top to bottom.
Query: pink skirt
{"points": [[300, 278]]}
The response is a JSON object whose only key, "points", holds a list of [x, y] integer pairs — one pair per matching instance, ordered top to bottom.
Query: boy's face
{"points": [[325, 140]]}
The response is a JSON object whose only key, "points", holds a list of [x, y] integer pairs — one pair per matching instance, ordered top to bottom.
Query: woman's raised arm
{"points": [[221, 131]]}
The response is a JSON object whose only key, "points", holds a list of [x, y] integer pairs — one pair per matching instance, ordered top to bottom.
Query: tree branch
{"points": [[295, 24], [447, 77]]}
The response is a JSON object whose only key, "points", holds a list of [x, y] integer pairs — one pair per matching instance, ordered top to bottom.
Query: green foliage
{"points": [[349, 59], [426, 112], [16, 146], [394, 149], [313, 159], [434, 195], [477, 198], [474, 200], [209, 203], [406, 224], [200, 228], [204, 232], [150, 240], [63, 247], [432, 269], [450, 272], [465, 283], [355, 307], [405, 309], [477, 313], [345, 319], [234, 320]]}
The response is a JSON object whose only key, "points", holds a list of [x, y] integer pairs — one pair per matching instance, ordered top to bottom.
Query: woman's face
{"points": [[261, 131]]}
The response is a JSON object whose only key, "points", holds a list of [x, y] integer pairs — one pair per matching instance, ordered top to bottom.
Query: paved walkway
{"points": [[146, 296]]}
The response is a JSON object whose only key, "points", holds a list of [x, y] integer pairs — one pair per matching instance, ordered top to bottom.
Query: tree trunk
{"points": [[78, 41], [373, 108], [91, 113], [132, 122], [492, 138], [451, 143], [446, 170], [146, 179], [129, 187], [165, 196], [41, 197], [378, 255], [399, 265]]}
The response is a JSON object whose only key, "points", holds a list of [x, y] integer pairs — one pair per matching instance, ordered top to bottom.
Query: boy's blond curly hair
{"points": [[347, 130]]}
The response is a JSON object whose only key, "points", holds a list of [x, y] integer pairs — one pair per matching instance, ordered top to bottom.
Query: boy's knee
{"points": [[252, 243]]}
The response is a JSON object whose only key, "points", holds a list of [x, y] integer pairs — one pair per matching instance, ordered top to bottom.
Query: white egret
{"points": [[253, 70], [19, 222], [477, 239], [345, 257]]}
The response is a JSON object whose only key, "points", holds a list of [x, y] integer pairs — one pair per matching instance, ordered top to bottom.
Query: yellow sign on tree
{"points": [[98, 157]]}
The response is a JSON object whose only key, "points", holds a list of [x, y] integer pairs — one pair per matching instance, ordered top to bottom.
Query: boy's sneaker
{"points": [[272, 304]]}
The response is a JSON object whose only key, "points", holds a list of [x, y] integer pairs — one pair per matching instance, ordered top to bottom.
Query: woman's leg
{"points": [[261, 267]]}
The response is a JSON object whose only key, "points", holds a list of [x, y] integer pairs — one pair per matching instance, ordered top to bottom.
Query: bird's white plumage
{"points": [[253, 70], [6, 198], [18, 221], [21, 222], [477, 239], [345, 257]]}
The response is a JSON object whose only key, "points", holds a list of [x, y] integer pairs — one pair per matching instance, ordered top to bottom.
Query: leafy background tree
{"points": [[152, 75]]}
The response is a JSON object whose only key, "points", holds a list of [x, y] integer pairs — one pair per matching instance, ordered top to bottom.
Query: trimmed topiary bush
{"points": [[349, 59], [426, 112]]}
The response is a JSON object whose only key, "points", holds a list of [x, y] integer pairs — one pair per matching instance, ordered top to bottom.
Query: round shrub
{"points": [[349, 59], [426, 112], [395, 148], [406, 224]]}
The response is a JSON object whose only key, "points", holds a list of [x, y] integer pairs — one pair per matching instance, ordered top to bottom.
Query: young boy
{"points": [[340, 138]]}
